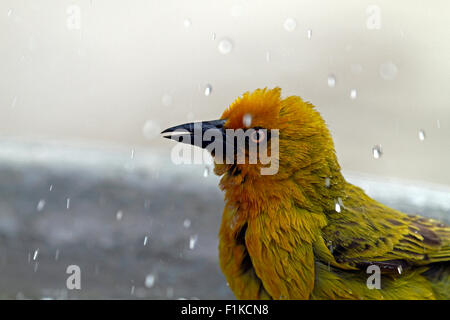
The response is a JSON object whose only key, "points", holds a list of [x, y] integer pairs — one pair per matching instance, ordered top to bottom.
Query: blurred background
{"points": [[86, 86]]}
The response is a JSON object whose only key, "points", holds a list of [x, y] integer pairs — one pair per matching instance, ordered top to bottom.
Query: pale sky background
{"points": [[112, 74]]}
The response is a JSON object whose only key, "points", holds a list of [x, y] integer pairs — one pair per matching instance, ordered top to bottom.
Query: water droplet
{"points": [[236, 11], [9, 12], [187, 23], [290, 24], [309, 33], [214, 36], [225, 46], [268, 56], [388, 70], [331, 81], [208, 90], [353, 94], [166, 100], [14, 102], [247, 120], [438, 123], [151, 129], [421, 135], [377, 152], [132, 154], [206, 172], [327, 182], [51, 188], [68, 203], [41, 204], [337, 207], [119, 215], [186, 223], [145, 240], [193, 241], [57, 254], [35, 255], [36, 266], [399, 269], [149, 280], [132, 290]]}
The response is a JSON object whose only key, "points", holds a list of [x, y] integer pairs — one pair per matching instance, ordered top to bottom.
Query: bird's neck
{"points": [[315, 188]]}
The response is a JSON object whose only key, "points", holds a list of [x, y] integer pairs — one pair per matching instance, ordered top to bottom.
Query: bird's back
{"points": [[411, 252]]}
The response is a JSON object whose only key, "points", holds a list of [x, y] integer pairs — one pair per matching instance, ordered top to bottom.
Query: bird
{"points": [[304, 232]]}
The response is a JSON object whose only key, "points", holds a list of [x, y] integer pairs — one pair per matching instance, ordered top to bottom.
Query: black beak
{"points": [[194, 133]]}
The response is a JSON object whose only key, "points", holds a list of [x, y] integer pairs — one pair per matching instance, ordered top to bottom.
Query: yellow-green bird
{"points": [[305, 232]]}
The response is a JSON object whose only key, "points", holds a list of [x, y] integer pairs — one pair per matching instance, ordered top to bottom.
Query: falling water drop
{"points": [[9, 12], [187, 23], [290, 24], [309, 33], [214, 36], [225, 46], [268, 56], [388, 70], [331, 81], [208, 90], [353, 94], [247, 120], [438, 123], [151, 129], [421, 135], [377, 151], [132, 154], [206, 172], [327, 182], [50, 188], [68, 203], [41, 204], [337, 207], [119, 215], [186, 223], [145, 240], [193, 241], [57, 254], [35, 255], [399, 269], [149, 280]]}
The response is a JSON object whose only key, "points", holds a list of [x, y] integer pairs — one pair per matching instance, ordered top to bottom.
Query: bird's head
{"points": [[261, 134]]}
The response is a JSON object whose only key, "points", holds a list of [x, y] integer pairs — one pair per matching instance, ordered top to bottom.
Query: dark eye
{"points": [[257, 136]]}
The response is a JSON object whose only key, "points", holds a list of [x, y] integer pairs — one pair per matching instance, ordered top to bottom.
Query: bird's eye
{"points": [[257, 136]]}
